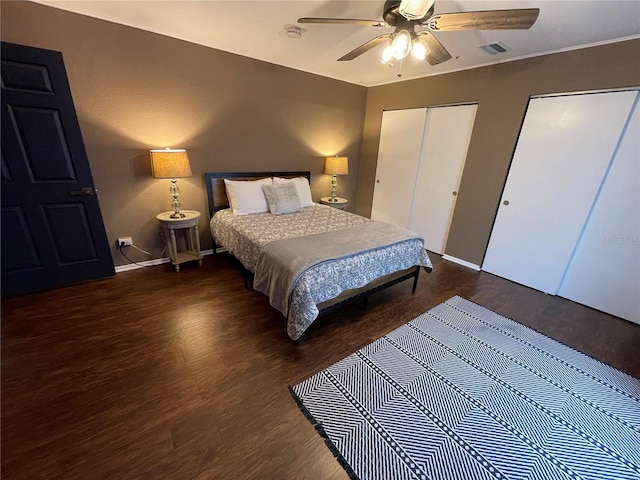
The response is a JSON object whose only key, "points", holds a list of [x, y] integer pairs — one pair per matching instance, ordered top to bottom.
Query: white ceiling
{"points": [[256, 29]]}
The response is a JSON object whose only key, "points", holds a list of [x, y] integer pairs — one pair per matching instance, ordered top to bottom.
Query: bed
{"points": [[309, 259]]}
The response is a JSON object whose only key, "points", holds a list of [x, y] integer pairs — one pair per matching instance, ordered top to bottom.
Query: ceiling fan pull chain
{"points": [[400, 68]]}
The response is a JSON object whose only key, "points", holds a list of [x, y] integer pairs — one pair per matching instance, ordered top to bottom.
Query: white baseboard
{"points": [[160, 261], [151, 263], [464, 263], [137, 265]]}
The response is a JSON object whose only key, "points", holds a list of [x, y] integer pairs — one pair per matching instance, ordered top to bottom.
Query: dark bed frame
{"points": [[217, 197]]}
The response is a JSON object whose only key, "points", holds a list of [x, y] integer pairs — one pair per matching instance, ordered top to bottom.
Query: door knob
{"points": [[377, 181], [84, 191], [454, 193], [506, 202]]}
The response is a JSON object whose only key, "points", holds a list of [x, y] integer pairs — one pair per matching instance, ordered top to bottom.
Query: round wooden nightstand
{"points": [[340, 202], [170, 225]]}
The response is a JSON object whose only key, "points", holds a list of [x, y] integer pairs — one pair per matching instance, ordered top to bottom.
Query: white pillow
{"points": [[302, 184], [246, 196]]}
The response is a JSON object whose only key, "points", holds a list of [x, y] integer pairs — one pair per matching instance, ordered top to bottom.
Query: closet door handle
{"points": [[377, 181], [454, 193], [506, 202]]}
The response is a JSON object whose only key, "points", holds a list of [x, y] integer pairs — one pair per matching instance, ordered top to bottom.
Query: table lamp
{"points": [[172, 164], [335, 166]]}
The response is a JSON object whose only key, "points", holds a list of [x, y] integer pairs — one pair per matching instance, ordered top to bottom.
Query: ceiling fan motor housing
{"points": [[392, 16]]}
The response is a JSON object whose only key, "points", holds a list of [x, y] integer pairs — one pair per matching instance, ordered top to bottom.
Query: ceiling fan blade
{"points": [[517, 19], [345, 21], [365, 47], [437, 52]]}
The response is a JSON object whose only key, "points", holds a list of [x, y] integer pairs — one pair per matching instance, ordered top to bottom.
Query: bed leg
{"points": [[415, 280], [248, 283], [298, 342]]}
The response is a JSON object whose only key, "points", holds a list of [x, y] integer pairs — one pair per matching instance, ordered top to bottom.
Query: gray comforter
{"points": [[246, 236], [282, 263]]}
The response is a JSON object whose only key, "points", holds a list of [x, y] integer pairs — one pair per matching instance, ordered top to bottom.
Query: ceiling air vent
{"points": [[495, 48]]}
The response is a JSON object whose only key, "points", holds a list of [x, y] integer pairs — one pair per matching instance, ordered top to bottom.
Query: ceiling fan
{"points": [[406, 15]]}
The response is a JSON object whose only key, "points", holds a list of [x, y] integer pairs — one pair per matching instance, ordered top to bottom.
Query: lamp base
{"points": [[334, 184], [175, 191]]}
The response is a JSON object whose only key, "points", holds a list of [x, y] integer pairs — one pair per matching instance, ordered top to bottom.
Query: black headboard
{"points": [[217, 193]]}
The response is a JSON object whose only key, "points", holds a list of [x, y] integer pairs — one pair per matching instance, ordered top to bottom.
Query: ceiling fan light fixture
{"points": [[415, 9], [401, 44], [419, 50], [387, 54]]}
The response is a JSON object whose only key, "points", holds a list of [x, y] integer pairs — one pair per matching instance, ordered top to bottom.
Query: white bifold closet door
{"points": [[566, 147], [444, 151], [398, 156], [421, 157], [604, 272]]}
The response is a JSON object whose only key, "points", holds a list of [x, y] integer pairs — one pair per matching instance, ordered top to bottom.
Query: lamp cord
{"points": [[139, 249], [132, 261]]}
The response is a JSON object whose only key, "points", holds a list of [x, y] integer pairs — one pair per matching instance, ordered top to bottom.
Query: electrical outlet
{"points": [[125, 241]]}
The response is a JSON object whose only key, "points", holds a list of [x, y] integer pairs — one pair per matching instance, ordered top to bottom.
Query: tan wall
{"points": [[135, 91], [502, 92]]}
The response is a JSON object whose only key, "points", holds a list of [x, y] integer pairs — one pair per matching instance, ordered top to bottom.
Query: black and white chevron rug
{"points": [[464, 393]]}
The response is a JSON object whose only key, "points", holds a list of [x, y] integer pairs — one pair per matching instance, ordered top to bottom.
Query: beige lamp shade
{"points": [[170, 163], [336, 166]]}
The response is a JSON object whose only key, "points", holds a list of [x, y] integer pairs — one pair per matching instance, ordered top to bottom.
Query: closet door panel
{"points": [[563, 150], [444, 151], [398, 155], [605, 270]]}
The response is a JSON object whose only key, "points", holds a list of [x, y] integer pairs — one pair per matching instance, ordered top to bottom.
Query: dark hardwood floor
{"points": [[155, 374]]}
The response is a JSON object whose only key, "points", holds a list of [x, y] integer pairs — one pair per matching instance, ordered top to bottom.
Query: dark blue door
{"points": [[52, 229]]}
